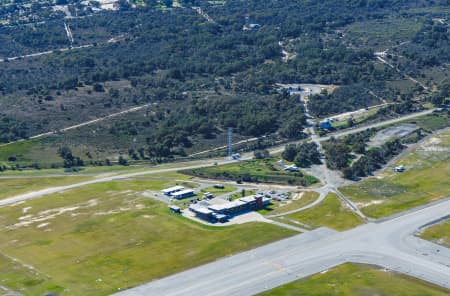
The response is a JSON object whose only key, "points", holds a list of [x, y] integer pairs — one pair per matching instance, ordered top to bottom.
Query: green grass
{"points": [[382, 33], [432, 122], [21, 150], [80, 171], [266, 171], [423, 181], [15, 186], [218, 191], [241, 194], [280, 207], [330, 213], [439, 233], [106, 236], [17, 277], [358, 280]]}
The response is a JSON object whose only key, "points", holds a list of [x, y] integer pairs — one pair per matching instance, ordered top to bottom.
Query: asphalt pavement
{"points": [[390, 244]]}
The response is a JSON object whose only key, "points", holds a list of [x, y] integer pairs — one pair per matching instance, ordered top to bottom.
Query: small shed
{"points": [[175, 209]]}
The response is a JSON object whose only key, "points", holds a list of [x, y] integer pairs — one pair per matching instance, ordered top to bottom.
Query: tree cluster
{"points": [[303, 155], [69, 159]]}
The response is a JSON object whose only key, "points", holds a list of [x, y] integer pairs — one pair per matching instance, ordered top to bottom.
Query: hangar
{"points": [[170, 191]]}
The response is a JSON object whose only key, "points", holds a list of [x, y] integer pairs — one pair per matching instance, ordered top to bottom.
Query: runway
{"points": [[390, 244]]}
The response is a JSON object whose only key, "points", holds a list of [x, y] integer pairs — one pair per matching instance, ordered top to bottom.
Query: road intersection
{"points": [[390, 244]]}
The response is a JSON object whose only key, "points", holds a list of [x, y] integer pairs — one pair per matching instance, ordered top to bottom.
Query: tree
{"points": [[168, 3], [98, 87], [350, 122], [289, 153], [261, 154], [307, 154], [337, 154], [69, 159], [122, 161], [361, 167]]}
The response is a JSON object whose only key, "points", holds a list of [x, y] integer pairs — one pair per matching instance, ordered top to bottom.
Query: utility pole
{"points": [[230, 141]]}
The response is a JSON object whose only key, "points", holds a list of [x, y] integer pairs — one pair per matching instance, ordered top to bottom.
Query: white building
{"points": [[170, 191]]}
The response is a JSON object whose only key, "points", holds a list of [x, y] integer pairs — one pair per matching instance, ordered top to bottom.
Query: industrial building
{"points": [[326, 124], [170, 191], [183, 194], [175, 209], [222, 212]]}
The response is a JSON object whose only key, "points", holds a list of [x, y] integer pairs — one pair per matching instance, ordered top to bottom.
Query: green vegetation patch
{"points": [[381, 33], [432, 122], [23, 151], [265, 170], [423, 181], [16, 186], [219, 191], [242, 193], [297, 201], [330, 213], [439, 233], [97, 239], [18, 277], [358, 280]]}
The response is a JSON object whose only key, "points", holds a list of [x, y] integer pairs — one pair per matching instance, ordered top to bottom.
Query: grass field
{"points": [[382, 33], [431, 122], [79, 171], [254, 171], [423, 181], [15, 186], [11, 187], [219, 191], [241, 194], [280, 207], [330, 213], [439, 233], [96, 239], [358, 280]]}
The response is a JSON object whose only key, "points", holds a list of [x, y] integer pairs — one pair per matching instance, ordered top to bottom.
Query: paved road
{"points": [[346, 132], [51, 190], [323, 192], [389, 244]]}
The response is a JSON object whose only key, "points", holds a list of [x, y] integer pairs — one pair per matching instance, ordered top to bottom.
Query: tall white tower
{"points": [[230, 141]]}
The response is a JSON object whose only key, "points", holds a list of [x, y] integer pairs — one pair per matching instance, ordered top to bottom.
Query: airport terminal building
{"points": [[222, 212]]}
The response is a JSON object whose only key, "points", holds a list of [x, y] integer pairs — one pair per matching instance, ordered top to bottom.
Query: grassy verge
{"points": [[432, 122], [265, 170], [79, 171], [423, 181], [15, 186], [219, 191], [241, 194], [280, 207], [330, 213], [439, 233], [97, 239], [17, 277], [358, 280]]}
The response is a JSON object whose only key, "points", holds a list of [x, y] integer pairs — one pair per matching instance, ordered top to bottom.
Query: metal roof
{"points": [[172, 189], [183, 192], [248, 199], [225, 206], [199, 209]]}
